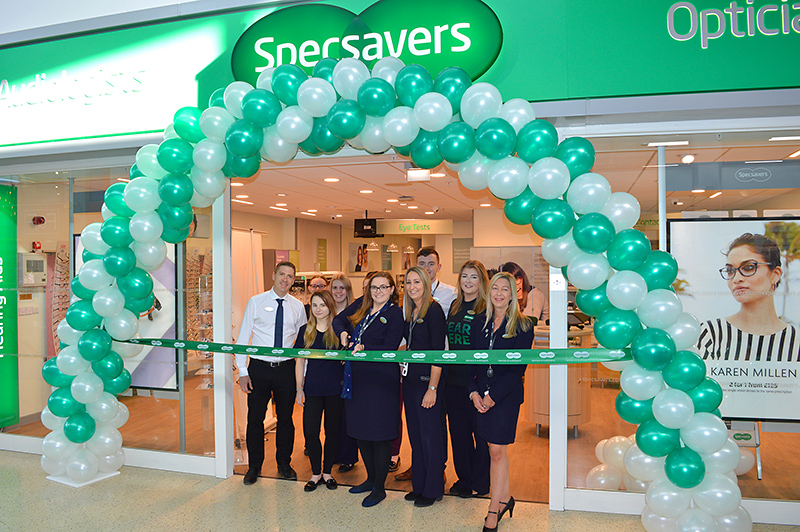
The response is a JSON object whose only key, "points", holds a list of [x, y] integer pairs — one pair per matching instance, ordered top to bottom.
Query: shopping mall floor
{"points": [[148, 500]]}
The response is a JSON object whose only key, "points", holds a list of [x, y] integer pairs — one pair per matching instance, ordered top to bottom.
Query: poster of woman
{"points": [[359, 260], [737, 277]]}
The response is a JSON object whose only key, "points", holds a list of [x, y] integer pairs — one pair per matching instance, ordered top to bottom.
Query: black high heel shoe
{"points": [[509, 507], [486, 528]]}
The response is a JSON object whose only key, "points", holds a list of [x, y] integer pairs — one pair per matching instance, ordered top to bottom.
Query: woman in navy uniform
{"points": [[424, 330], [319, 389], [372, 389], [497, 391], [470, 451]]}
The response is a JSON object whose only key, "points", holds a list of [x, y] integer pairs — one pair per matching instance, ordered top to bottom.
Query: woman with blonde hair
{"points": [[342, 290], [497, 391]]}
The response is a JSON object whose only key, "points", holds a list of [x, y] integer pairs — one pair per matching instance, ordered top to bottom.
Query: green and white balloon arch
{"points": [[682, 455]]}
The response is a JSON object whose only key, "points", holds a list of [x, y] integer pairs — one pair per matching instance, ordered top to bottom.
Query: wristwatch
{"points": [[432, 388]]}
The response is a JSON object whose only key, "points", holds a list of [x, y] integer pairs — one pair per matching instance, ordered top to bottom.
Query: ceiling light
{"points": [[778, 139], [668, 143], [795, 154], [688, 158], [764, 162], [659, 165], [418, 174], [438, 174], [123, 179], [331, 179], [236, 184], [365, 191], [698, 191], [715, 194], [281, 195], [242, 196], [392, 200], [242, 201], [678, 203], [281, 204], [403, 204], [486, 204], [413, 207], [278, 208], [312, 210], [387, 210], [429, 212], [307, 213], [338, 215], [373, 246], [392, 248], [408, 249]]}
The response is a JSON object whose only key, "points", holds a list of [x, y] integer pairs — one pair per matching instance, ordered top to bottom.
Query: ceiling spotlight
{"points": [[688, 158], [331, 179], [236, 184], [365, 191], [698, 191], [715, 194], [242, 196], [392, 200], [281, 204], [486, 204], [413, 207], [312, 210], [429, 212], [338, 215]]}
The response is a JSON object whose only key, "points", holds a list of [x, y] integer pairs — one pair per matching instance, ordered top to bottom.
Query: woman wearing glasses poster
{"points": [[753, 350]]}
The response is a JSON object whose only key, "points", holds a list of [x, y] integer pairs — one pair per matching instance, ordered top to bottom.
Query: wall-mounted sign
{"points": [[733, 175], [415, 227], [9, 364]]}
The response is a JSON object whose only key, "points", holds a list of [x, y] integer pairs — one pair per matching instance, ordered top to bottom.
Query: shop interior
{"points": [[305, 211]]}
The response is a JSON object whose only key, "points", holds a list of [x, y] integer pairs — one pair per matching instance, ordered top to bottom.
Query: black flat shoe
{"points": [[344, 468], [286, 472], [251, 476], [331, 484], [311, 485], [412, 496], [424, 502], [509, 507], [486, 528]]}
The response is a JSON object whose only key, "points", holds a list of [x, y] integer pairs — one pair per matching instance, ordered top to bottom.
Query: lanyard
{"points": [[437, 286], [366, 322], [411, 328]]}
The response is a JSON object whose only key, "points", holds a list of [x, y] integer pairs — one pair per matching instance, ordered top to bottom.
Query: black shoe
{"points": [[394, 466], [344, 468], [286, 472], [251, 476], [331, 483], [311, 485], [362, 488], [456, 488], [464, 493], [412, 496], [373, 498], [424, 502], [509, 507], [486, 528]]}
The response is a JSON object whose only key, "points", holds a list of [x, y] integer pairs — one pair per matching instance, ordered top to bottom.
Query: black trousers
{"points": [[277, 383], [332, 406], [470, 451], [376, 456]]}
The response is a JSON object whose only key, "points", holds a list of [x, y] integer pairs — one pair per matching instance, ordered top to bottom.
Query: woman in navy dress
{"points": [[424, 330], [319, 389], [372, 389], [497, 391], [470, 451]]}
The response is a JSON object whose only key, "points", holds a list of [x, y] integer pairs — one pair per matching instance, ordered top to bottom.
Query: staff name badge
{"points": [[269, 309]]}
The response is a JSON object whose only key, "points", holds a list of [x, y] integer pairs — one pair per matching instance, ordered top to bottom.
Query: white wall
{"points": [[492, 229], [280, 232]]}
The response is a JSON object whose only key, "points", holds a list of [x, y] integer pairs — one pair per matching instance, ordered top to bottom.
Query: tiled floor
{"points": [[141, 500]]}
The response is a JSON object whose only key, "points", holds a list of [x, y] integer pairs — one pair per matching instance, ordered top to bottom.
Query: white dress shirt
{"points": [[444, 294], [258, 325]]}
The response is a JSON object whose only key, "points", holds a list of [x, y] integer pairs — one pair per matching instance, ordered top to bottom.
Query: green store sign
{"points": [[435, 35], [9, 370]]}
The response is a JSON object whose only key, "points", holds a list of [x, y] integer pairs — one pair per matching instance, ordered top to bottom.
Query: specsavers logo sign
{"points": [[433, 33]]}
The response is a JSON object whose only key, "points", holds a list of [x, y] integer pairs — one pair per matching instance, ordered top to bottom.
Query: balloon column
{"points": [[447, 119]]}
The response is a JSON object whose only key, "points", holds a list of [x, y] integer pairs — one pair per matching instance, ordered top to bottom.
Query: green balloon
{"points": [[324, 69], [286, 79], [412, 82], [452, 83], [377, 97], [217, 98], [261, 107], [346, 119], [187, 124], [244, 138], [495, 138], [323, 139], [536, 140], [457, 143], [308, 147], [425, 149], [405, 151], [577, 153], [175, 155], [241, 166], [134, 172], [175, 189], [115, 201], [519, 210], [176, 218], [552, 218], [116, 232], [593, 232], [175, 236], [628, 250], [87, 256], [119, 262], [659, 270], [564, 273], [137, 285], [79, 290], [593, 302], [139, 306], [81, 316], [615, 328], [94, 344], [653, 349], [108, 367], [686, 371], [53, 376], [119, 384], [706, 396], [62, 404], [633, 411], [79, 427], [655, 439], [685, 468]]}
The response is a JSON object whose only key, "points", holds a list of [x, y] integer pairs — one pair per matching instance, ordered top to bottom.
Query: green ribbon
{"points": [[489, 356]]}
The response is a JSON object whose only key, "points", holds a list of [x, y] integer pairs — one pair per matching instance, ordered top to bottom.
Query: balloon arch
{"points": [[681, 454]]}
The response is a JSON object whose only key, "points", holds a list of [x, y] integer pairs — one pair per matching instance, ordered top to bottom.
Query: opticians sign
{"points": [[435, 35], [415, 227], [9, 372]]}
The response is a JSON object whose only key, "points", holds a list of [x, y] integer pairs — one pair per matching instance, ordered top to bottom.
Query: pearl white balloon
{"points": [[387, 68], [348, 76], [264, 80], [234, 93], [316, 97], [480, 101], [433, 111], [517, 112], [214, 123], [294, 125], [399, 126], [372, 136], [356, 143], [275, 148], [209, 155], [147, 162], [474, 172], [508, 177], [548, 178], [210, 185], [589, 192], [141, 194], [200, 201], [623, 210], [105, 212], [146, 227], [92, 241], [558, 252], [151, 255], [587, 271], [93, 275], [626, 290], [108, 302], [660, 309], [122, 326], [685, 331], [67, 334], [126, 350], [70, 362], [617, 365], [639, 383], [86, 387], [104, 408], [673, 408], [121, 418], [54, 422], [705, 433], [106, 440], [56, 446], [598, 450], [614, 452], [725, 460], [746, 462], [109, 464], [82, 466], [642, 466], [53, 467], [604, 477], [634, 484], [717, 494], [666, 499], [695, 520], [738, 521], [652, 522]]}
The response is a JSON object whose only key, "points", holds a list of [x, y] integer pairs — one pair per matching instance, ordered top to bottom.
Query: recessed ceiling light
{"points": [[773, 139], [668, 143], [795, 154], [688, 158], [764, 162], [659, 165], [438, 174], [123, 179], [331, 179], [236, 184], [56, 186], [365, 191], [698, 191], [715, 194], [281, 195], [242, 196], [392, 200], [242, 201], [678, 203], [281, 204], [403, 204], [486, 204], [413, 207], [278, 208], [312, 210], [387, 210], [429, 212], [307, 213], [338, 215]]}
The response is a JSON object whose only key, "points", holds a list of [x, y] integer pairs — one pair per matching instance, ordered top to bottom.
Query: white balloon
{"points": [[387, 68], [348, 76], [264, 80], [234, 93], [316, 97], [480, 101], [433, 111], [517, 112], [214, 123], [294, 125], [399, 126], [372, 136], [356, 143], [275, 148], [209, 155], [147, 162], [474, 172], [508, 177], [548, 178], [210, 185], [589, 192], [141, 194], [200, 201], [623, 210], [105, 212], [146, 227], [92, 241], [558, 252], [151, 255], [587, 271], [93, 275], [626, 290], [108, 301], [660, 309], [122, 326], [685, 331], [67, 334], [126, 350], [70, 362], [617, 365], [639, 383], [86, 387], [104, 408], [673, 408], [121, 418], [53, 422], [705, 433], [106, 440], [56, 446], [598, 450], [614, 452], [725, 460], [746, 462], [109, 464], [82, 466], [642, 466], [53, 467], [604, 477], [634, 484], [717, 494], [666, 499], [695, 520], [738, 521], [652, 522]]}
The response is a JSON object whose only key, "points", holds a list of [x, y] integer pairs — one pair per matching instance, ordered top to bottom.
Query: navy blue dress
{"points": [[323, 377], [373, 413], [498, 425]]}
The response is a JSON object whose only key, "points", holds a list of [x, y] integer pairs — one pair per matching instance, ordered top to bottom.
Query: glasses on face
{"points": [[747, 269], [318, 286], [381, 288]]}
